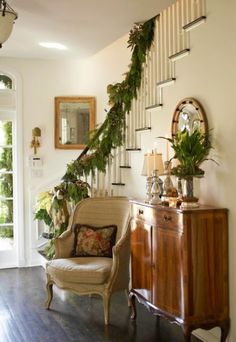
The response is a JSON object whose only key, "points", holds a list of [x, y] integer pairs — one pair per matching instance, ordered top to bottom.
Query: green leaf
{"points": [[191, 150], [42, 215]]}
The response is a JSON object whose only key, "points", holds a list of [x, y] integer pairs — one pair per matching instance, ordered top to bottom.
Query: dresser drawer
{"points": [[144, 213], [161, 217], [169, 219]]}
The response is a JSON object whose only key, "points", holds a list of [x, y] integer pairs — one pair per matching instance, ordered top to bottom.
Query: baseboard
{"points": [[8, 265], [207, 335]]}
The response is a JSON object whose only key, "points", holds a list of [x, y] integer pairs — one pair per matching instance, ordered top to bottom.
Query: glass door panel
{"points": [[5, 158], [6, 187]]}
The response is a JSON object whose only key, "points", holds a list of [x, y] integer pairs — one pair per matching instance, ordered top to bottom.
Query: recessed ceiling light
{"points": [[57, 46]]}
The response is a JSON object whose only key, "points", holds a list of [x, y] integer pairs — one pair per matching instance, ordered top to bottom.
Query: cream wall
{"points": [[208, 74]]}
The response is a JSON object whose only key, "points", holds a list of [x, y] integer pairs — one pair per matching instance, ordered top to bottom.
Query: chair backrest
{"points": [[103, 211]]}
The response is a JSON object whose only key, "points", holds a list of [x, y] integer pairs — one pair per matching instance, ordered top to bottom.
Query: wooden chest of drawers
{"points": [[180, 265]]}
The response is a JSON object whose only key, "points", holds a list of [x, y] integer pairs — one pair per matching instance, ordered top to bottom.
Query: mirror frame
{"points": [[72, 99], [197, 106]]}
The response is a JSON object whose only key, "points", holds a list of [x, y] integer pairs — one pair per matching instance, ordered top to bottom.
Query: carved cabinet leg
{"points": [[132, 306], [224, 330], [187, 333], [187, 338]]}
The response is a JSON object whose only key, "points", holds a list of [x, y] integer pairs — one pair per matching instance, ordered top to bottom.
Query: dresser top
{"points": [[163, 207]]}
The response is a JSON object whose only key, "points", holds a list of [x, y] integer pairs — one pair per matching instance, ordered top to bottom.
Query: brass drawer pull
{"points": [[140, 211], [167, 218]]}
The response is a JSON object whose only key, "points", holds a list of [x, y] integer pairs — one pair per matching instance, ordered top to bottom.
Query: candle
{"points": [[155, 147], [167, 148], [147, 160], [148, 164]]}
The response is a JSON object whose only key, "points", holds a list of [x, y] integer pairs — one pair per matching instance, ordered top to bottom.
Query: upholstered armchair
{"points": [[86, 274]]}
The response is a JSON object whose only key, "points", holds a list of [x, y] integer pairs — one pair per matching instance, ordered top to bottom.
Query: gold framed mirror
{"points": [[189, 114], [74, 119]]}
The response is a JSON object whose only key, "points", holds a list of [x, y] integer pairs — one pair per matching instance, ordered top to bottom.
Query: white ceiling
{"points": [[84, 26]]}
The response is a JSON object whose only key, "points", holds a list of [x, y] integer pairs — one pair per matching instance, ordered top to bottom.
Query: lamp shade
{"points": [[7, 18], [152, 161], [144, 169]]}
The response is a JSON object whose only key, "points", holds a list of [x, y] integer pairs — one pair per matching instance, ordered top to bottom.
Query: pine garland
{"points": [[110, 134]]}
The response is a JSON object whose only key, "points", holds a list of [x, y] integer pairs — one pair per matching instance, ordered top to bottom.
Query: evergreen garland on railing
{"points": [[110, 134], [51, 206]]}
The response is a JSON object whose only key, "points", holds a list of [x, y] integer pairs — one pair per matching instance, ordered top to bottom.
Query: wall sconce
{"points": [[7, 18], [35, 143], [152, 166]]}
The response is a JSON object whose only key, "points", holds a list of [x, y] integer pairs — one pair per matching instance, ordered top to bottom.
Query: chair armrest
{"points": [[64, 245], [120, 273]]}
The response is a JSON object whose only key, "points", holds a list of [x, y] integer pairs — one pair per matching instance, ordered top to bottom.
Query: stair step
{"points": [[194, 23], [179, 55], [167, 82], [153, 107], [143, 129], [133, 149], [125, 167], [119, 184], [47, 235], [43, 253]]}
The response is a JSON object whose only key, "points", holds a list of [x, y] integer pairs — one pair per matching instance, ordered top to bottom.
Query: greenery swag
{"points": [[53, 207]]}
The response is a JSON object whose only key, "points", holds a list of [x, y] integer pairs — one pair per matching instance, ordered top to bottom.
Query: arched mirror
{"points": [[5, 82], [189, 115], [74, 119]]}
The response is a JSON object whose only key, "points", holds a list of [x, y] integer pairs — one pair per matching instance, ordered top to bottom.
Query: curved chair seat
{"points": [[90, 270]]}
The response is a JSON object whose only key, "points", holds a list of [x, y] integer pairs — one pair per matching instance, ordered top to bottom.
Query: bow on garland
{"points": [[108, 136]]}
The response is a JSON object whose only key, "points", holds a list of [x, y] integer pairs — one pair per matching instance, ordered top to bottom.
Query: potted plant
{"points": [[191, 150]]}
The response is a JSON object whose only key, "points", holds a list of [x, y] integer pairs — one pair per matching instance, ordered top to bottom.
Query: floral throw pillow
{"points": [[94, 241]]}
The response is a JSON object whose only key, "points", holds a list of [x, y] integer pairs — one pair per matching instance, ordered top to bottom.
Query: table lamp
{"points": [[152, 166]]}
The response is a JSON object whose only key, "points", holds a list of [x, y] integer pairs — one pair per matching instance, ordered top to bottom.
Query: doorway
{"points": [[9, 197]]}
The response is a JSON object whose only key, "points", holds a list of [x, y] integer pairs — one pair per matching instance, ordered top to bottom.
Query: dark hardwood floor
{"points": [[71, 318]]}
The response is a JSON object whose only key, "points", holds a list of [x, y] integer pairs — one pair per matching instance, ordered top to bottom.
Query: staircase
{"points": [[171, 42]]}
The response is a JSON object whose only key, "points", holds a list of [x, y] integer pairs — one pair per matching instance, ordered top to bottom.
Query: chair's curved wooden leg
{"points": [[50, 294], [127, 296], [106, 305], [133, 306]]}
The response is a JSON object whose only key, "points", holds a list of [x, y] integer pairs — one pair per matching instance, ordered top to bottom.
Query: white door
{"points": [[9, 180]]}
